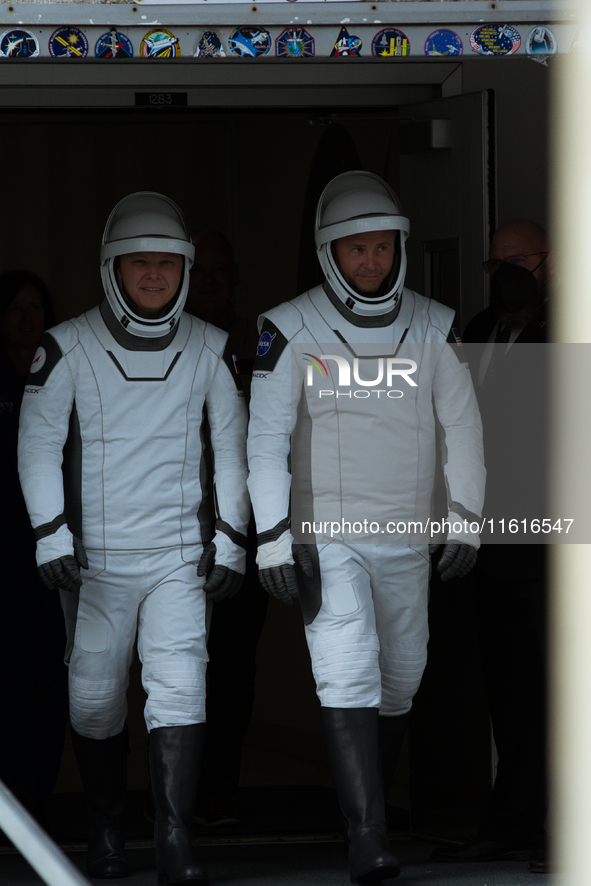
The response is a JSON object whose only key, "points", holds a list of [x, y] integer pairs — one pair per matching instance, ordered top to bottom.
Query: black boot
{"points": [[391, 731], [351, 736], [175, 760], [103, 769], [149, 809]]}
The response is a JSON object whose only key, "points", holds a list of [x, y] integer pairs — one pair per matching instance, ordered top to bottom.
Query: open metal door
{"points": [[447, 191]]}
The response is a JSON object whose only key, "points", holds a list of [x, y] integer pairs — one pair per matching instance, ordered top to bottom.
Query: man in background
{"points": [[510, 580], [237, 622]]}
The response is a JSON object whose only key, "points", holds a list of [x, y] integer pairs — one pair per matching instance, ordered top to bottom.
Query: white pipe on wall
{"points": [[30, 839]]}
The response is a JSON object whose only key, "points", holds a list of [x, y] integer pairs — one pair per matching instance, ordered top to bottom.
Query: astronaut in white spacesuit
{"points": [[127, 389], [359, 452]]}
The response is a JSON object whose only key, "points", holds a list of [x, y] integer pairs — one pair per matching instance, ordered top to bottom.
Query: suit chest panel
{"points": [[123, 397]]}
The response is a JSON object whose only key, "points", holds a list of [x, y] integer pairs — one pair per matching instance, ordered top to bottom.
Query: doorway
{"points": [[245, 171]]}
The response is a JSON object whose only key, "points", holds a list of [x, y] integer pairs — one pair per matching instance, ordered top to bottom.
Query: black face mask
{"points": [[512, 288]]}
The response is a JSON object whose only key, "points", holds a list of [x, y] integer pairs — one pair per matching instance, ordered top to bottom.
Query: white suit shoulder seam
{"points": [[287, 317], [66, 336], [214, 339]]}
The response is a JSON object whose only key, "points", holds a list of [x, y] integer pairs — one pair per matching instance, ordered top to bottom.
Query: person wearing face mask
{"points": [[521, 266], [510, 579]]}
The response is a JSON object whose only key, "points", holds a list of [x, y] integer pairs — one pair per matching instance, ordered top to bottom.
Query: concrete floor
{"points": [[292, 863]]}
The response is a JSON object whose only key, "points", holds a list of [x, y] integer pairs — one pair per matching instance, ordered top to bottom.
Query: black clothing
{"points": [[510, 582], [236, 627], [33, 693]]}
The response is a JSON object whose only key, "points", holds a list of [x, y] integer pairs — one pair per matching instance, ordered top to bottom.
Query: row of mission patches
{"points": [[71, 42]]}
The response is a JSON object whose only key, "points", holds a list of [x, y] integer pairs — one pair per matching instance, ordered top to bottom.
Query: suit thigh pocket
{"points": [[342, 598], [93, 636]]}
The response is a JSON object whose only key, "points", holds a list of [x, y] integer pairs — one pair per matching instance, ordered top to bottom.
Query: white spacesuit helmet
{"points": [[358, 202], [145, 222]]}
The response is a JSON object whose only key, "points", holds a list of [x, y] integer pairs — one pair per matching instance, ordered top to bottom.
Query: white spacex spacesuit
{"points": [[347, 390], [136, 394], [132, 396], [370, 457]]}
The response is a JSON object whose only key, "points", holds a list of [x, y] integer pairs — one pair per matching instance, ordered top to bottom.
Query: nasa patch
{"points": [[495, 40], [250, 42], [390, 42], [444, 42], [540, 42], [18, 43], [68, 43], [160, 43], [294, 43], [113, 44], [346, 44], [209, 46], [265, 342], [38, 360]]}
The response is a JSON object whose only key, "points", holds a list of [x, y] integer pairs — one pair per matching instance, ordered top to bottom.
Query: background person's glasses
{"points": [[492, 264]]}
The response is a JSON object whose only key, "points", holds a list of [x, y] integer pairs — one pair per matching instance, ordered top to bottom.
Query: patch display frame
{"points": [[427, 41]]}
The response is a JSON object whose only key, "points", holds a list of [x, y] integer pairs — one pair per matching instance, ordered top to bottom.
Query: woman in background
{"points": [[33, 686]]}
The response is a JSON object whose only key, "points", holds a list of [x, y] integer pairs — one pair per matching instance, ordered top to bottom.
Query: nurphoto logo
{"points": [[387, 371]]}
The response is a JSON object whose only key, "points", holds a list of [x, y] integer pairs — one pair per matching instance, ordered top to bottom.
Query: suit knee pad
{"points": [[346, 671], [401, 677], [176, 692], [98, 708]]}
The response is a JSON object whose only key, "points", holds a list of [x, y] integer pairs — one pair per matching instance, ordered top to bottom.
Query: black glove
{"points": [[456, 560], [64, 572], [281, 580], [222, 582]]}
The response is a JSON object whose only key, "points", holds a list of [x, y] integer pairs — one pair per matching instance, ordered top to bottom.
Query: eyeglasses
{"points": [[492, 264]]}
